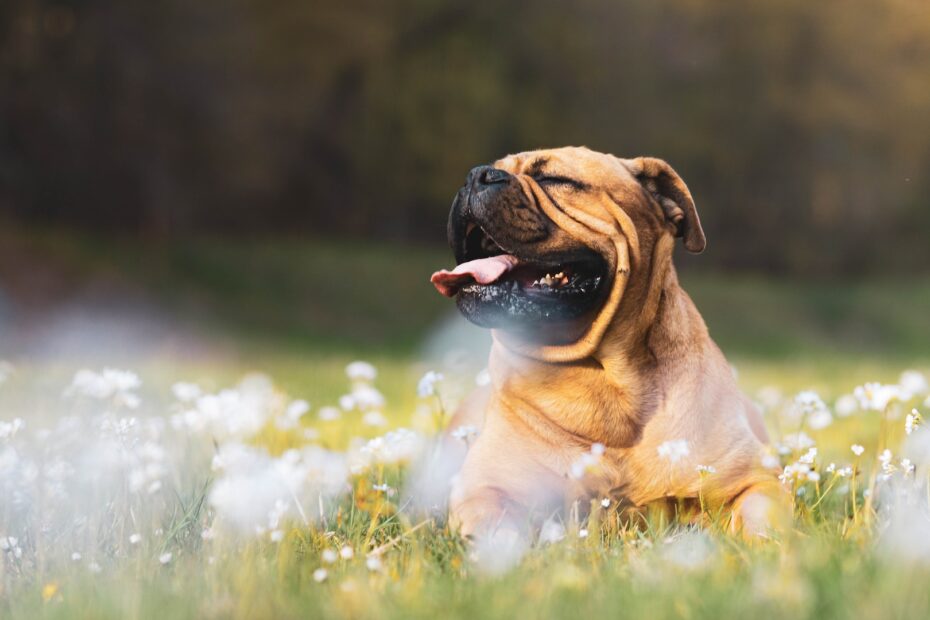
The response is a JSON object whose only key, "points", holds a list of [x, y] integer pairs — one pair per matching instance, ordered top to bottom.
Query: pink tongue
{"points": [[482, 271]]}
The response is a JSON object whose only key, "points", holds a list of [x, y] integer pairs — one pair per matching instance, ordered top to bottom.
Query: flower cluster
{"points": [[108, 384], [362, 397], [809, 412], [399, 446], [674, 450], [588, 461], [114, 462], [255, 492]]}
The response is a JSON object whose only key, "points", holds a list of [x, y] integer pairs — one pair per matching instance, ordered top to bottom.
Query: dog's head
{"points": [[546, 242]]}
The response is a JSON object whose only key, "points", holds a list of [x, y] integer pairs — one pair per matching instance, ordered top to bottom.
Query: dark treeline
{"points": [[802, 126]]}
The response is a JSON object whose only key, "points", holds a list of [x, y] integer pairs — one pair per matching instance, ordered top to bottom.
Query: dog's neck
{"points": [[659, 326]]}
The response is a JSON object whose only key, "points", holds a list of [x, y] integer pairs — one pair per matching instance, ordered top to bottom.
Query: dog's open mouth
{"points": [[496, 288]]}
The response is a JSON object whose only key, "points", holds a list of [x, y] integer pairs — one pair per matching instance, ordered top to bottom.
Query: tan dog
{"points": [[567, 255]]}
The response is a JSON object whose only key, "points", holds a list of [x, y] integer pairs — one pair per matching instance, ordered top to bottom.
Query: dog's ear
{"points": [[664, 184]]}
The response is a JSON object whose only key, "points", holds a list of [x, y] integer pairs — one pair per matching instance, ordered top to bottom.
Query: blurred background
{"points": [[205, 177]]}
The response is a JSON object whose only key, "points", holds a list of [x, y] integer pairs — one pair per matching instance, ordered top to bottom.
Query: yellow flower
{"points": [[49, 591]]}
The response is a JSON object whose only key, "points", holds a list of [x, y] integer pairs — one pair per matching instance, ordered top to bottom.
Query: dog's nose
{"points": [[487, 175]]}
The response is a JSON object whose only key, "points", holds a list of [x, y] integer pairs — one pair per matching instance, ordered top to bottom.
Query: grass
{"points": [[300, 312], [829, 564]]}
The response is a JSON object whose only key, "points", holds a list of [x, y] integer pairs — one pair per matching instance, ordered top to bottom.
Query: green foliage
{"points": [[800, 126]]}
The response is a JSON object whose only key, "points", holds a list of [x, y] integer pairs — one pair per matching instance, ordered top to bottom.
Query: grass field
{"points": [[236, 499]]}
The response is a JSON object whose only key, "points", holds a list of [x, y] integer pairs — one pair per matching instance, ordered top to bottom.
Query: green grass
{"points": [[366, 298], [301, 310], [830, 564]]}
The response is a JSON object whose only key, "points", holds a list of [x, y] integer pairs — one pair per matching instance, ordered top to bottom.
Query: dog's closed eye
{"points": [[555, 179]]}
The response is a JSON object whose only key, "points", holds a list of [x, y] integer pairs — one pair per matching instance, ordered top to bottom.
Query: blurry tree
{"points": [[802, 127]]}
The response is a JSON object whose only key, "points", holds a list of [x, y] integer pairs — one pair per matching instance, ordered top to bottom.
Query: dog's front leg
{"points": [[503, 482], [762, 510]]}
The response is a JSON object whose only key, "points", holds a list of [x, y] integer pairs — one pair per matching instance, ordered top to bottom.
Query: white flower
{"points": [[361, 371], [483, 378], [914, 382], [110, 383], [427, 384], [186, 392], [366, 397], [877, 397], [809, 404], [846, 405], [232, 413], [292, 414], [328, 414], [374, 418], [820, 419], [912, 421], [9, 429], [465, 433], [797, 441], [398, 446], [917, 446], [857, 449], [674, 450], [809, 456], [770, 461], [587, 462], [705, 469], [798, 472], [844, 472], [383, 488], [257, 490], [605, 502], [551, 532], [583, 533], [276, 535], [135, 539], [906, 539], [10, 544], [692, 550], [498, 551], [347, 553], [329, 556], [76, 557], [164, 558], [373, 563], [320, 575]]}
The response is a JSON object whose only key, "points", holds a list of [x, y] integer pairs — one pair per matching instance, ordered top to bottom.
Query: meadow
{"points": [[260, 452]]}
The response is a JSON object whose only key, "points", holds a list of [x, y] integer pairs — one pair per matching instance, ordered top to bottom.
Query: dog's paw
{"points": [[761, 513]]}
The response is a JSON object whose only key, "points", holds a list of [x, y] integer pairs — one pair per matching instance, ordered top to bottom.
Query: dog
{"points": [[604, 380]]}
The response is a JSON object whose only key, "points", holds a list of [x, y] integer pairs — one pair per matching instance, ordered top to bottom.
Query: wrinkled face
{"points": [[542, 238]]}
